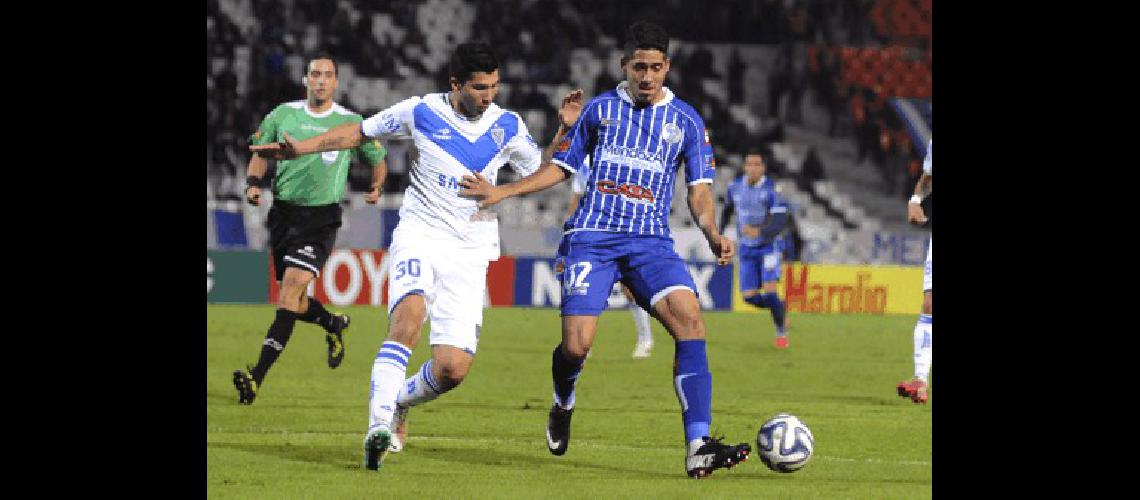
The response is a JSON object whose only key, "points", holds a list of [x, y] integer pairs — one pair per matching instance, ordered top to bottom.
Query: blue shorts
{"points": [[592, 261], [759, 265]]}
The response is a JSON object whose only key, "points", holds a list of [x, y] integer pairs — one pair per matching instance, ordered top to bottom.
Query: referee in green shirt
{"points": [[305, 214]]}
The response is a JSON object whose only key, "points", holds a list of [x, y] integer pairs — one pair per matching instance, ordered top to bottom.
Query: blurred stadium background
{"points": [[837, 94]]}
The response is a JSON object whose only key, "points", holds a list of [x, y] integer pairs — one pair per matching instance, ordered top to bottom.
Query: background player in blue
{"points": [[636, 136], [760, 217]]}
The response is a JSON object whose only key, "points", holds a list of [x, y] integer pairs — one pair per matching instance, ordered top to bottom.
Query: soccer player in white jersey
{"points": [[637, 135], [443, 243], [644, 346], [915, 388]]}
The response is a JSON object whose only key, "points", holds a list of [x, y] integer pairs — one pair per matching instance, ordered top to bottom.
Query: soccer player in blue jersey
{"points": [[637, 136], [761, 216]]}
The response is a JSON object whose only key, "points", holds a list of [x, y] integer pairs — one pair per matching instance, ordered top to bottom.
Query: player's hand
{"points": [[570, 109], [283, 150], [479, 188], [253, 195], [372, 197], [914, 214], [750, 231], [724, 248]]}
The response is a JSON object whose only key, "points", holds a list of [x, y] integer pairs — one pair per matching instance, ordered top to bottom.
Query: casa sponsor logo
{"points": [[314, 128], [632, 192], [802, 294]]}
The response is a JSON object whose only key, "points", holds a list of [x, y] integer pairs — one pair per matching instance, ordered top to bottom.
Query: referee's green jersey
{"points": [[319, 178]]}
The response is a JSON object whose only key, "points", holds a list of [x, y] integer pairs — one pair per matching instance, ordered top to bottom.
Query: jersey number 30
{"points": [[410, 266]]}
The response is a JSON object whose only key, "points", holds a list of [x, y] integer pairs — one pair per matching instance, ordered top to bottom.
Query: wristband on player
{"points": [[252, 181], [916, 199]]}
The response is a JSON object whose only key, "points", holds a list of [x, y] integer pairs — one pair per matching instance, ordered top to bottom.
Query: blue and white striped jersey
{"points": [[634, 156]]}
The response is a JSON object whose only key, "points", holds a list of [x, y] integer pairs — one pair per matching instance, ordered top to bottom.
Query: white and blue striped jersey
{"points": [[448, 145], [635, 153]]}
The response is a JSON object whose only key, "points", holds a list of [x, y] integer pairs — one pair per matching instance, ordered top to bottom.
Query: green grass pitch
{"points": [[302, 437]]}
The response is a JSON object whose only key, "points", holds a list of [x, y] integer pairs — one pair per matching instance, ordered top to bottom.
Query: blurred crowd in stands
{"points": [[852, 55]]}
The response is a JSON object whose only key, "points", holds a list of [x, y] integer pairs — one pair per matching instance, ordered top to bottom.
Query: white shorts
{"points": [[927, 279], [452, 281]]}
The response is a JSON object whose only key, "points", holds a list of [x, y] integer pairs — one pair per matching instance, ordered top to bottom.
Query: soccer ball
{"points": [[784, 443]]}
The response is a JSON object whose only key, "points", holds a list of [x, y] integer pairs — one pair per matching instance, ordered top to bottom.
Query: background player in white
{"points": [[637, 136], [443, 243], [644, 345], [915, 388]]}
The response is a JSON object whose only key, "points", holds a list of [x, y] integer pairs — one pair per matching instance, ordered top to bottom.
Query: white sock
{"points": [[641, 321], [922, 346], [387, 377], [419, 388]]}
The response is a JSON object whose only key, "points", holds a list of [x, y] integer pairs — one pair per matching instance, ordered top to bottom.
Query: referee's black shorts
{"points": [[302, 236]]}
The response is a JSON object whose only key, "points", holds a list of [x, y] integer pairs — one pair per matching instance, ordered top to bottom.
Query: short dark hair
{"points": [[646, 35], [471, 57], [309, 62]]}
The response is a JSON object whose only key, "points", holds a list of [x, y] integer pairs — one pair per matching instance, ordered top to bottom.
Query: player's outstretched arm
{"points": [[345, 136], [379, 172], [479, 188], [703, 209], [914, 213]]}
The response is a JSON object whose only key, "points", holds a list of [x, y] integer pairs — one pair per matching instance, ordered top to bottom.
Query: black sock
{"points": [[316, 313], [275, 340], [565, 372]]}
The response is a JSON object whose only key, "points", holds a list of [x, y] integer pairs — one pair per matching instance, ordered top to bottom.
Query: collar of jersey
{"points": [[623, 93], [313, 114], [460, 116], [759, 183]]}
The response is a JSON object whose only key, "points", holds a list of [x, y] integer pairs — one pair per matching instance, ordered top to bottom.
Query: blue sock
{"points": [[777, 307], [565, 372], [693, 383]]}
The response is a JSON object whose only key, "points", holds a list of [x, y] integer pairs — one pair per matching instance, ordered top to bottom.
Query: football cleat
{"points": [[335, 339], [782, 342], [642, 350], [246, 386], [914, 389], [400, 422], [558, 429], [376, 444], [712, 454]]}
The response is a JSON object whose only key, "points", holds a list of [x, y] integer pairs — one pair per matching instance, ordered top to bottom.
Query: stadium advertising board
{"points": [[236, 276], [359, 276], [845, 289]]}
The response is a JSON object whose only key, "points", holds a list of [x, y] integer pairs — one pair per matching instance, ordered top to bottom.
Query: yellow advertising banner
{"points": [[846, 289]]}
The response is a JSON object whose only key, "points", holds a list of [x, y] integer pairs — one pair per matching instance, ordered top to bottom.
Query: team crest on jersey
{"points": [[497, 133], [442, 134], [672, 134], [564, 146], [329, 157]]}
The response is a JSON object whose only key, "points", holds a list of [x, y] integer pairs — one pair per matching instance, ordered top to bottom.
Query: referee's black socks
{"points": [[316, 313], [275, 340]]}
